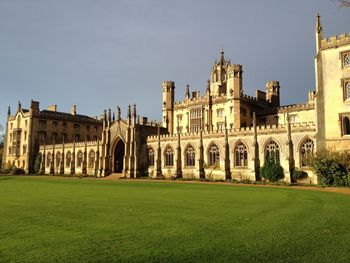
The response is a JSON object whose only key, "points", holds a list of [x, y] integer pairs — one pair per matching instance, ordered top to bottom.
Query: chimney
{"points": [[52, 108], [73, 110]]}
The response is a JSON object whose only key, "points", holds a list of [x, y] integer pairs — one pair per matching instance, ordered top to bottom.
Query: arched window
{"points": [[347, 60], [347, 90], [346, 125], [272, 151], [306, 151], [213, 155], [241, 155], [190, 156], [150, 157], [169, 157], [58, 159], [68, 159], [79, 159], [91, 159], [48, 160]]}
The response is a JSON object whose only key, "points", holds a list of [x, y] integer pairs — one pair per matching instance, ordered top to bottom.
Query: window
{"points": [[346, 60], [347, 90], [231, 110], [220, 112], [244, 112], [179, 117], [293, 118], [26, 123], [42, 123], [55, 124], [11, 125], [64, 125], [346, 125], [220, 126], [76, 127], [88, 127], [95, 127], [25, 135], [41, 135], [54, 136], [64, 136], [10, 137], [76, 137], [88, 137], [24, 149], [306, 151], [272, 152], [213, 155], [241, 155], [190, 156], [150, 157], [169, 157], [58, 159], [68, 159], [79, 159], [91, 159], [48, 160]]}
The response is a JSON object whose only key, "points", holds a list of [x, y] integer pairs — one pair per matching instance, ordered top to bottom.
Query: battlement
{"points": [[335, 41], [234, 67], [168, 84], [296, 107], [243, 131], [69, 145]]}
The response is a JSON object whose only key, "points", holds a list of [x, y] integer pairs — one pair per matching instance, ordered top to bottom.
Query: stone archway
{"points": [[119, 151]]}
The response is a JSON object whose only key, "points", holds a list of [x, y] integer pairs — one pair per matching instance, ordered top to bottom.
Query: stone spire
{"points": [[319, 28], [222, 59], [187, 95], [19, 105], [9, 111], [118, 113], [129, 114], [134, 114], [109, 115], [113, 118], [178, 150], [201, 153], [227, 154], [159, 156]]}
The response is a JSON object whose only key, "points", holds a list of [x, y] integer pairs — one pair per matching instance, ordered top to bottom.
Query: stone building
{"points": [[29, 128], [222, 134]]}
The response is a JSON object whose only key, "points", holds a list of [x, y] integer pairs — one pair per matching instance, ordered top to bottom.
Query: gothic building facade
{"points": [[222, 134]]}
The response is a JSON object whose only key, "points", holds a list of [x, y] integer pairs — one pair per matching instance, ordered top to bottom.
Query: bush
{"points": [[37, 163], [331, 168], [6, 169], [272, 170], [17, 171], [299, 175]]}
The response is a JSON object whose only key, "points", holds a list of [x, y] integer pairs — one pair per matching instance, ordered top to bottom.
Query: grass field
{"points": [[45, 219]]}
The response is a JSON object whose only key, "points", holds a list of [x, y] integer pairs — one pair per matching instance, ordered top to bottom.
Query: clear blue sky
{"points": [[99, 54]]}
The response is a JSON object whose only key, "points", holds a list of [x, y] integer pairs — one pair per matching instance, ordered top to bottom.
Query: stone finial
{"points": [[318, 24], [187, 95], [19, 105], [9, 111], [134, 111], [129, 112], [118, 113], [109, 115]]}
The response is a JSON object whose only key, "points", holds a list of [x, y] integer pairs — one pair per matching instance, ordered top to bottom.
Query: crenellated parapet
{"points": [[335, 41]]}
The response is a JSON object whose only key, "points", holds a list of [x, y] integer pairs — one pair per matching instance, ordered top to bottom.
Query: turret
{"points": [[318, 32], [234, 81], [273, 92], [168, 105]]}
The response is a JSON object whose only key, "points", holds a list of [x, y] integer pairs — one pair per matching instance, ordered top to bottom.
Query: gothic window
{"points": [[346, 60], [347, 90], [346, 125], [272, 151], [306, 151], [213, 155], [241, 155], [190, 156], [150, 157], [169, 157], [48, 159], [58, 159], [68, 159], [79, 159], [91, 159]]}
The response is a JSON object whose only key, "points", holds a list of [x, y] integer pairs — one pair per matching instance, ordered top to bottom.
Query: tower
{"points": [[273, 92], [168, 105]]}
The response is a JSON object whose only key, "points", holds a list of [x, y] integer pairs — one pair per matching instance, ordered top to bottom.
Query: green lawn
{"points": [[45, 219]]}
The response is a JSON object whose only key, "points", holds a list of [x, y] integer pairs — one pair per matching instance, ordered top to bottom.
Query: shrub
{"points": [[37, 164], [6, 169], [330, 169], [272, 170], [17, 171], [299, 175]]}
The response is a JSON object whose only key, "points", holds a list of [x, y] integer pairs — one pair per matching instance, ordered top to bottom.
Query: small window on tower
{"points": [[346, 60], [347, 90]]}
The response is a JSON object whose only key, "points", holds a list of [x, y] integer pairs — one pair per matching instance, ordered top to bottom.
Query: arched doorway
{"points": [[119, 157]]}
